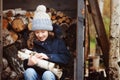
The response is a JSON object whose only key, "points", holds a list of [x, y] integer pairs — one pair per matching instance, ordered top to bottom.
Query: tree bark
{"points": [[114, 71]]}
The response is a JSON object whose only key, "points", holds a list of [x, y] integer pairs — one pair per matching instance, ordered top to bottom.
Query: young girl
{"points": [[48, 46]]}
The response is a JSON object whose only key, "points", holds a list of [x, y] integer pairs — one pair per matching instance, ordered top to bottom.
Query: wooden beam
{"points": [[100, 29], [87, 34], [0, 39], [80, 42], [0, 60]]}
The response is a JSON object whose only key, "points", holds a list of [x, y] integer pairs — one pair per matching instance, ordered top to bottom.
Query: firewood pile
{"points": [[17, 22]]}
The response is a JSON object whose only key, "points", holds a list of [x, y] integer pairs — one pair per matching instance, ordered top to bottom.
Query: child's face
{"points": [[41, 35]]}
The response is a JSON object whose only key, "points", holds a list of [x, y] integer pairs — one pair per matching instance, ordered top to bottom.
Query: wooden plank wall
{"points": [[68, 7]]}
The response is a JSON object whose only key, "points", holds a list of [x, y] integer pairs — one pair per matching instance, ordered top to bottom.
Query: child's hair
{"points": [[51, 34], [32, 37]]}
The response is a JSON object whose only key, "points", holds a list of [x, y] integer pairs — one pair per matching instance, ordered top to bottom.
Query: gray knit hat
{"points": [[41, 20]]}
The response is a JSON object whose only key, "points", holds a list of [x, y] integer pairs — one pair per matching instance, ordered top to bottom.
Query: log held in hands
{"points": [[25, 54]]}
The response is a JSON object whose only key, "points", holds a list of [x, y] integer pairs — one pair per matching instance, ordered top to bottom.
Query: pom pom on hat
{"points": [[41, 8], [41, 20]]}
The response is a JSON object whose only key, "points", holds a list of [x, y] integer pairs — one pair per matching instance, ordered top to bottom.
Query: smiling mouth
{"points": [[41, 39]]}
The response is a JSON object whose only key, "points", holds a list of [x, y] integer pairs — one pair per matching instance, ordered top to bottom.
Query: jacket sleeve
{"points": [[62, 54]]}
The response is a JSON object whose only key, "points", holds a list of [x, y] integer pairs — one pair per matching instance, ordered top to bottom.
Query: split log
{"points": [[52, 10], [20, 11], [9, 13], [59, 13], [29, 14], [29, 17], [53, 17], [10, 19], [63, 19], [60, 20], [54, 21], [5, 23], [18, 25], [29, 25], [14, 35], [6, 37], [4, 63], [8, 69], [13, 75]]}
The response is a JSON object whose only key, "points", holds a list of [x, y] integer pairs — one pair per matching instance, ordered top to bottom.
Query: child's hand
{"points": [[37, 55], [43, 56], [32, 61]]}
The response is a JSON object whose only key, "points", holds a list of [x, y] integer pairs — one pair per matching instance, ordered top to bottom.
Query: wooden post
{"points": [[100, 29], [87, 34], [0, 39], [80, 41], [87, 41], [0, 60]]}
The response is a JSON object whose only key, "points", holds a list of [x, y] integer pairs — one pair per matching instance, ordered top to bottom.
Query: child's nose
{"points": [[40, 35]]}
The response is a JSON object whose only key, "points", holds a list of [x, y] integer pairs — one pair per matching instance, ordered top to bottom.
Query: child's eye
{"points": [[42, 31], [37, 32]]}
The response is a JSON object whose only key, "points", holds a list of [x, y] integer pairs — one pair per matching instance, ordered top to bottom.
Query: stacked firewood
{"points": [[17, 20], [15, 23], [12, 68], [8, 73]]}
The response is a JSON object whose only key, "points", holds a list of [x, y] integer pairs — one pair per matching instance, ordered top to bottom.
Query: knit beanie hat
{"points": [[41, 20]]}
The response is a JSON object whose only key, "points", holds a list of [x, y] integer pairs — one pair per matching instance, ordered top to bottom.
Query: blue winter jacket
{"points": [[55, 49]]}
